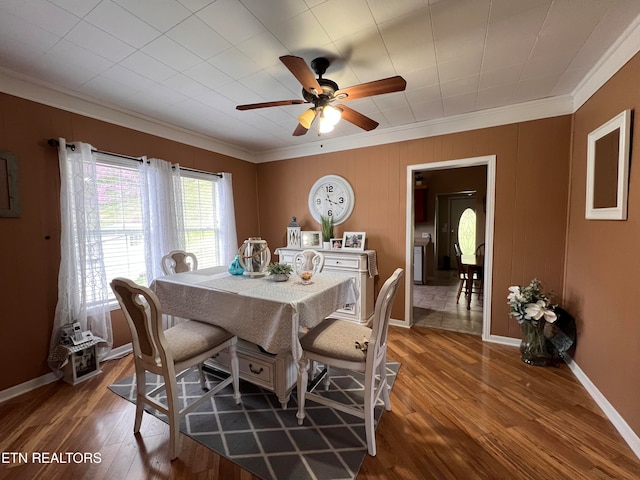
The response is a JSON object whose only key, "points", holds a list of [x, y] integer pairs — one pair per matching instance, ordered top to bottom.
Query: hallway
{"points": [[434, 305]]}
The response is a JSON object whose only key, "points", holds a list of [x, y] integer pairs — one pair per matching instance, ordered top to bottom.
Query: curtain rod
{"points": [[55, 143]]}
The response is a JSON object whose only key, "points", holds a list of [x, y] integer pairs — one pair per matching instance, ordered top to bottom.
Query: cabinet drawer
{"points": [[348, 263], [252, 369], [256, 371]]}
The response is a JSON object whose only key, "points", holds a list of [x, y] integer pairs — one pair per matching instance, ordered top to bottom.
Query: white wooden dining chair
{"points": [[308, 260], [179, 261], [350, 346], [171, 354]]}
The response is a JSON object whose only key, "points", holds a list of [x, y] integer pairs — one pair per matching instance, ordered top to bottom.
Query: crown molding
{"points": [[625, 47], [41, 92], [522, 112]]}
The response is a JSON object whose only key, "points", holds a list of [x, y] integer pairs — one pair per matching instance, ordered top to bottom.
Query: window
{"points": [[119, 183], [200, 195], [120, 207], [467, 232]]}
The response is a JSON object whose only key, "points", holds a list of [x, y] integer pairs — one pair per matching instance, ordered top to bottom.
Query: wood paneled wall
{"points": [[532, 175], [531, 193], [30, 244], [600, 256]]}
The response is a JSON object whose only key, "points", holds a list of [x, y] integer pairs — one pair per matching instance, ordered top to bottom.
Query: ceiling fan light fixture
{"points": [[332, 114], [306, 118], [325, 125]]}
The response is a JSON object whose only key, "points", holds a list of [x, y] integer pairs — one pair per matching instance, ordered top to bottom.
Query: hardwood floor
{"points": [[462, 409]]}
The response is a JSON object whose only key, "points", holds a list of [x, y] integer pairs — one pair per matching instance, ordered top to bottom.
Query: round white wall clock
{"points": [[331, 196]]}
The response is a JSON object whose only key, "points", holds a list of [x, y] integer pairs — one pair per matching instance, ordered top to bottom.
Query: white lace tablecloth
{"points": [[258, 310]]}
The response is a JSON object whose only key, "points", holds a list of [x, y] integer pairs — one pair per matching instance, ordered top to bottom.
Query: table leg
{"points": [[303, 379], [284, 400]]}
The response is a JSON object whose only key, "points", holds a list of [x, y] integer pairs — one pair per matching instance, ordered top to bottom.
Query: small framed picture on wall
{"points": [[311, 239], [353, 241]]}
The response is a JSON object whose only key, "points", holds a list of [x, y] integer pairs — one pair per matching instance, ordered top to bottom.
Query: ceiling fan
{"points": [[322, 92]]}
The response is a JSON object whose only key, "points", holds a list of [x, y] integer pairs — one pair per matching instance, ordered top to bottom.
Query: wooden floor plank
{"points": [[461, 409]]}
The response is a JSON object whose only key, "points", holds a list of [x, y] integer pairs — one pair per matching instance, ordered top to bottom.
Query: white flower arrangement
{"points": [[530, 304]]}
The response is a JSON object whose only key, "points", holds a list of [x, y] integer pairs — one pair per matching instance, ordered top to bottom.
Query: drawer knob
{"points": [[255, 371]]}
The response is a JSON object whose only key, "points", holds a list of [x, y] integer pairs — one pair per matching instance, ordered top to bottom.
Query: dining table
{"points": [[473, 266], [255, 308]]}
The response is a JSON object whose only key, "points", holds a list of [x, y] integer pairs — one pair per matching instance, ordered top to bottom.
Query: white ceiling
{"points": [[188, 63]]}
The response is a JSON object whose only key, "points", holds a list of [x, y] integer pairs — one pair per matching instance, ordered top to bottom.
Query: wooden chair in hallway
{"points": [[480, 272], [463, 276]]}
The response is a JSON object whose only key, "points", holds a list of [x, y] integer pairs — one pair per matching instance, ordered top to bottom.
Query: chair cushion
{"points": [[190, 338], [337, 339]]}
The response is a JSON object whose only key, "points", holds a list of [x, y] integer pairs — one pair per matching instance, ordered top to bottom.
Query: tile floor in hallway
{"points": [[434, 305]]}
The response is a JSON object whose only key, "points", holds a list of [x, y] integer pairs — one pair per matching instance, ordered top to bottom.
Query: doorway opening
{"points": [[460, 211]]}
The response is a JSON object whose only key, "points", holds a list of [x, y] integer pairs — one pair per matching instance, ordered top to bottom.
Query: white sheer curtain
{"points": [[162, 213], [227, 216], [82, 274]]}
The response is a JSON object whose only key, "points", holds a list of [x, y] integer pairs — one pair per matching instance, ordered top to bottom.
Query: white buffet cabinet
{"points": [[355, 264], [278, 373]]}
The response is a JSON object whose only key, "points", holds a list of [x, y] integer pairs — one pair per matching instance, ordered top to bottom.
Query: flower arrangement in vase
{"points": [[327, 231], [280, 271], [548, 331]]}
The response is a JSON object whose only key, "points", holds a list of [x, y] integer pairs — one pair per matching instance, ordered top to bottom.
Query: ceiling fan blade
{"points": [[298, 67], [377, 87], [279, 103], [358, 119], [300, 130]]}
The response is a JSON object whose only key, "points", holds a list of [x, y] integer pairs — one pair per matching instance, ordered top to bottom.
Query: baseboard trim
{"points": [[512, 342], [119, 352], [51, 377], [25, 387], [610, 412]]}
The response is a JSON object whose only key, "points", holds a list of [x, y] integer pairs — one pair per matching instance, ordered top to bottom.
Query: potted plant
{"points": [[327, 231], [280, 271]]}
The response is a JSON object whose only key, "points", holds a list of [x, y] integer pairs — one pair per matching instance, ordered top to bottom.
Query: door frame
{"points": [[490, 162]]}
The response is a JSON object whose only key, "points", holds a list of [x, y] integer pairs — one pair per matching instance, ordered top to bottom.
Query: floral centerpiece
{"points": [[544, 340]]}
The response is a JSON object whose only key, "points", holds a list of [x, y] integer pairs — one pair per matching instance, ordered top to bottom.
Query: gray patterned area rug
{"points": [[266, 440]]}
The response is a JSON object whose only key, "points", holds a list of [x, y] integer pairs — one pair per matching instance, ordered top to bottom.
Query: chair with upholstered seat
{"points": [[308, 260], [179, 261], [350, 346], [171, 354]]}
